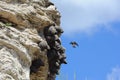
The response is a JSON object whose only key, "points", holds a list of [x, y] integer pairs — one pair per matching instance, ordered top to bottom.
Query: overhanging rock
{"points": [[30, 45]]}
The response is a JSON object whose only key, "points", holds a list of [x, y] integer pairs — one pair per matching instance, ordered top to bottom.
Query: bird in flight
{"points": [[74, 44]]}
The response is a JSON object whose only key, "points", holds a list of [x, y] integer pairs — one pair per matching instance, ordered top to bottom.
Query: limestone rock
{"points": [[24, 44]]}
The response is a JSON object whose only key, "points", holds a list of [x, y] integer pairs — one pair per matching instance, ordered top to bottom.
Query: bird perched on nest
{"points": [[74, 44]]}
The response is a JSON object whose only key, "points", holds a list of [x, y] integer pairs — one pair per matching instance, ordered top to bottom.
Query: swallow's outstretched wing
{"points": [[76, 43]]}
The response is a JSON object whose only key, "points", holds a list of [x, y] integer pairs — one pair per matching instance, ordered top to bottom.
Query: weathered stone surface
{"points": [[32, 13], [24, 41]]}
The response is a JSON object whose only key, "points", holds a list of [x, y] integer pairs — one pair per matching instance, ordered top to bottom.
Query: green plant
{"points": [[1, 24], [8, 24]]}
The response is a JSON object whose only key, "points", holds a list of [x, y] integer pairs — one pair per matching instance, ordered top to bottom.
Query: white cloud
{"points": [[87, 15], [115, 74]]}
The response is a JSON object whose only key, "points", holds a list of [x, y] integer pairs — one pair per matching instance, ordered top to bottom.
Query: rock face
{"points": [[30, 47]]}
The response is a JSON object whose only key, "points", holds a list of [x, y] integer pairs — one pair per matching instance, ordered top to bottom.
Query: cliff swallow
{"points": [[74, 44]]}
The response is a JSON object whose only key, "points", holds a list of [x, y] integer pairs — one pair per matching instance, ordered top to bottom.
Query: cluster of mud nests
{"points": [[55, 51]]}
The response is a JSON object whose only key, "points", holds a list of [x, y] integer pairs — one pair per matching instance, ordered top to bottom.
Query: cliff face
{"points": [[30, 47]]}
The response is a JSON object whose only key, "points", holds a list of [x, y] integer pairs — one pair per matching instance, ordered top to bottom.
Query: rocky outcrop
{"points": [[30, 47]]}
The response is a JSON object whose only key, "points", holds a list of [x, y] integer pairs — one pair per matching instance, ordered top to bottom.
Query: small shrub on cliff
{"points": [[8, 24]]}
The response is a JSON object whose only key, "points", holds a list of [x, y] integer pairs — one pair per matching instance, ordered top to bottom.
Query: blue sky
{"points": [[95, 25]]}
